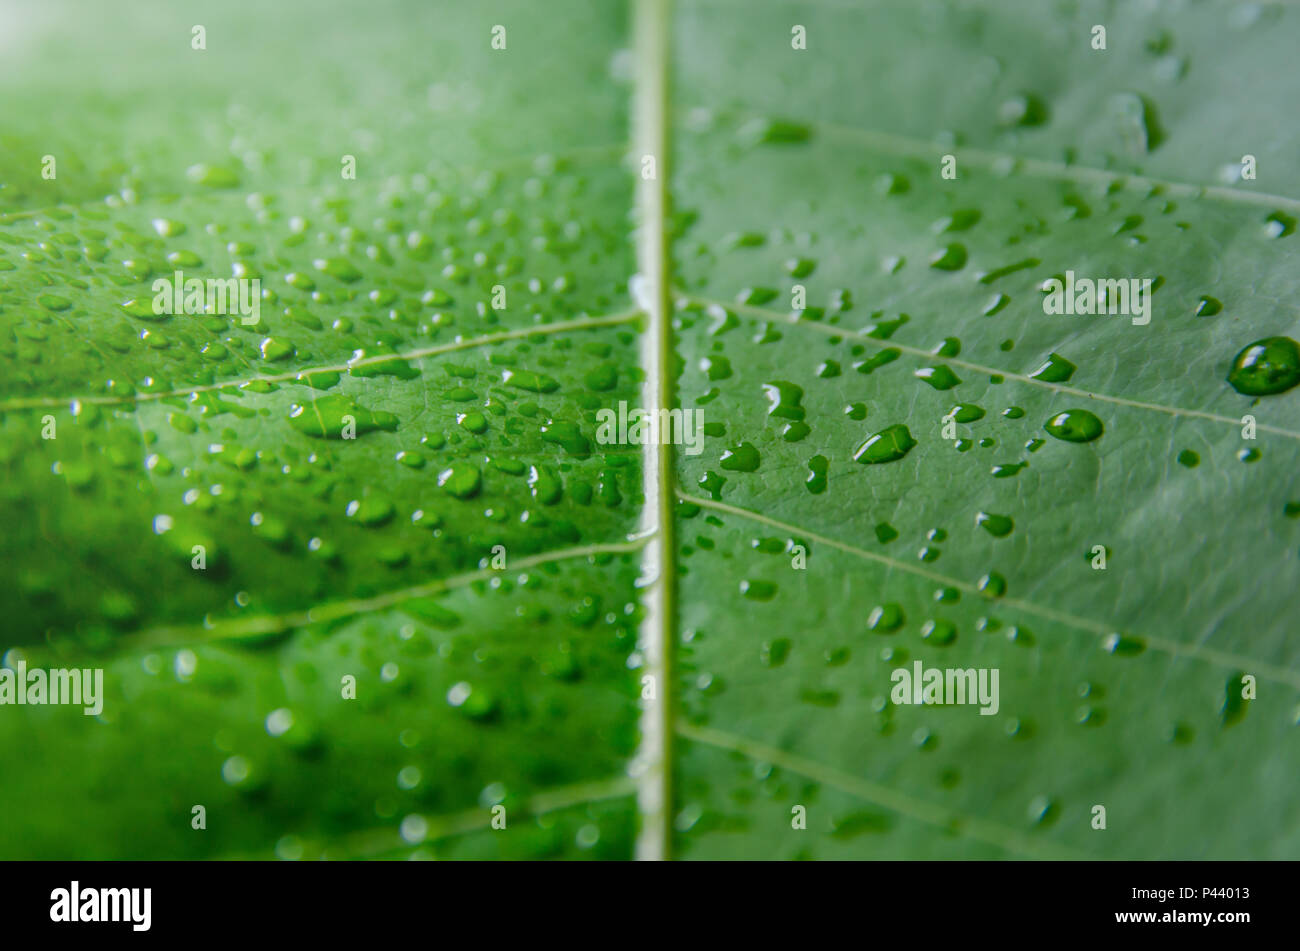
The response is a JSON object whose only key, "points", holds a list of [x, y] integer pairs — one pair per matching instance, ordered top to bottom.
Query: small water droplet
{"points": [[949, 258], [1208, 306], [818, 466], [999, 526], [886, 618], [939, 632]]}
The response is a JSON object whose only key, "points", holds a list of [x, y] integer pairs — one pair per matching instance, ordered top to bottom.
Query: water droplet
{"points": [[1024, 109], [1139, 125], [768, 131], [212, 176], [963, 219], [1279, 225], [167, 228], [950, 258], [183, 259], [800, 267], [340, 269], [53, 302], [996, 304], [142, 307], [1208, 307], [276, 349], [871, 364], [1267, 366], [1057, 369], [603, 377], [940, 377], [528, 380], [784, 399], [966, 412], [329, 418], [474, 422], [1074, 425], [794, 432], [888, 445], [743, 458], [818, 466], [462, 480], [712, 483], [544, 484], [371, 511], [999, 526], [270, 529], [758, 590], [886, 618], [939, 632], [1122, 645], [775, 652], [820, 698], [475, 702], [1234, 704], [236, 770], [1042, 811]]}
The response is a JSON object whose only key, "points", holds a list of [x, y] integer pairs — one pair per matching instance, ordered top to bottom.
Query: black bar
{"points": [[602, 901]]}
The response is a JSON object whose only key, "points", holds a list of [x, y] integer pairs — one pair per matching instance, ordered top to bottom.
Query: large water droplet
{"points": [[1265, 367], [1057, 369], [940, 377], [784, 399], [332, 417], [1074, 425], [891, 443], [743, 458], [462, 480], [885, 618]]}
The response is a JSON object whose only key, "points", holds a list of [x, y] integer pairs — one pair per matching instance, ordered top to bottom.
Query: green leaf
{"points": [[459, 309], [976, 545], [429, 587]]}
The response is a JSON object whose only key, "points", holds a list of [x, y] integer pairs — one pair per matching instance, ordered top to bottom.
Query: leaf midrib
{"points": [[653, 763]]}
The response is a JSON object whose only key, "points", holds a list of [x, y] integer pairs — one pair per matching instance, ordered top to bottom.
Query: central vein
{"points": [[653, 764]]}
